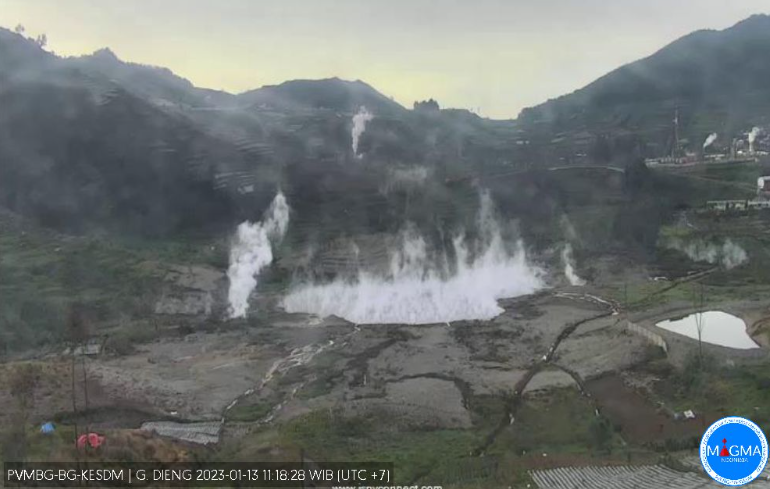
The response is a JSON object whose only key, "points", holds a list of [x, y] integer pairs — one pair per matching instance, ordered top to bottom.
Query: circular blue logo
{"points": [[733, 451]]}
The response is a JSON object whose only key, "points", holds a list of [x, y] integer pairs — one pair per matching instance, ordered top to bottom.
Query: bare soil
{"points": [[639, 420]]}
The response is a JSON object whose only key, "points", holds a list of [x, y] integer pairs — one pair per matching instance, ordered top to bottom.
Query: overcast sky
{"points": [[494, 56]]}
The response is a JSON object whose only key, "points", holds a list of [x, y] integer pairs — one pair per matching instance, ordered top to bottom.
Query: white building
{"points": [[763, 184]]}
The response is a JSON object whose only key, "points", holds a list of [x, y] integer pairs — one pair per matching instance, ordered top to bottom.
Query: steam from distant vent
{"points": [[359, 126], [755, 132], [710, 140], [252, 251], [728, 254], [733, 255], [569, 267], [423, 286]]}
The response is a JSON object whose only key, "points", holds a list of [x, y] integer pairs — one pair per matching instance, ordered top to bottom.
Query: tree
{"points": [[19, 29], [41, 40], [427, 105], [600, 151], [637, 176], [699, 322], [78, 325], [78, 333], [24, 381], [600, 433]]}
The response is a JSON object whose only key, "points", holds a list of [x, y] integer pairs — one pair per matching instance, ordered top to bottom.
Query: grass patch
{"points": [[744, 173], [43, 273], [318, 387], [720, 391], [486, 411], [249, 412], [561, 422], [327, 436], [36, 446], [416, 455]]}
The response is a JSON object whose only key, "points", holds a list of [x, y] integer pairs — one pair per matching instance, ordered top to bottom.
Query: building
{"points": [[763, 184], [758, 204], [727, 205], [737, 205]]}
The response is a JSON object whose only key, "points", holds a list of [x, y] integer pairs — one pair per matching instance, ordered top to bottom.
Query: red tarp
{"points": [[93, 440]]}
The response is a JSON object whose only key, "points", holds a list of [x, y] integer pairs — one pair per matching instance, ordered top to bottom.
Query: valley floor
{"points": [[567, 377]]}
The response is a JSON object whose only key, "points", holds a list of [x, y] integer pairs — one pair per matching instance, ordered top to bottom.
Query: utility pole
{"points": [[675, 149], [625, 294], [699, 324], [302, 464]]}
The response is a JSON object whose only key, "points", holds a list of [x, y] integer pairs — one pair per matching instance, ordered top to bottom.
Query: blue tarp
{"points": [[47, 428]]}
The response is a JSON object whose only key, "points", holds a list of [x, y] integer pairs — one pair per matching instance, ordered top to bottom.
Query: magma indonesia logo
{"points": [[733, 451]]}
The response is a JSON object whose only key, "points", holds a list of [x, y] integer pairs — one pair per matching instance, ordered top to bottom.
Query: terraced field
{"points": [[624, 477]]}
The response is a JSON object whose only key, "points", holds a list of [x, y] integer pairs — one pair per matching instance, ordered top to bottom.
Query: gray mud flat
{"points": [[420, 376]]}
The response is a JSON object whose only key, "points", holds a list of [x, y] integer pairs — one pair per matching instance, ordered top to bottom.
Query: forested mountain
{"points": [[718, 80], [96, 143]]}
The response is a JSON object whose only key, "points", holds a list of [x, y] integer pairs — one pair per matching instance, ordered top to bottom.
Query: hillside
{"points": [[717, 80], [158, 85], [335, 94], [94, 143], [97, 144]]}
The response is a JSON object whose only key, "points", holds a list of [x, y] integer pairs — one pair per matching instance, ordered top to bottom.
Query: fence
{"points": [[648, 335]]}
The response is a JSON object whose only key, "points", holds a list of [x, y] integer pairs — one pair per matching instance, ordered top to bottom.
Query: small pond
{"points": [[719, 328]]}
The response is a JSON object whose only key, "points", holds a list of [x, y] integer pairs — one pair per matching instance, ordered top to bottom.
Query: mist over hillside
{"points": [[717, 80], [96, 144]]}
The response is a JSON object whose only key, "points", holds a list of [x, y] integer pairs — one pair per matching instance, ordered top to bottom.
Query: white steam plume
{"points": [[359, 126], [753, 137], [710, 140], [252, 251], [728, 254], [733, 255], [569, 268], [420, 289]]}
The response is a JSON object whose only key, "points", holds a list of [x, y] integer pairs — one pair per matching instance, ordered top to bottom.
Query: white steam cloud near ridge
{"points": [[359, 126], [753, 137], [710, 140], [252, 251], [728, 254], [569, 267], [416, 290]]}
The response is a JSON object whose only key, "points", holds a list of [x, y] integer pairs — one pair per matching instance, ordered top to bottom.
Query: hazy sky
{"points": [[495, 56]]}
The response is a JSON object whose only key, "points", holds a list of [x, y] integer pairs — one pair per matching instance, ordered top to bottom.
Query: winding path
{"points": [[513, 403]]}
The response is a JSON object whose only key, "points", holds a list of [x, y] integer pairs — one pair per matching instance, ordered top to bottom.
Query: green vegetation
{"points": [[700, 74], [745, 173], [42, 274], [750, 280], [650, 294], [319, 386], [718, 391], [249, 412], [563, 422], [36, 446], [416, 454], [442, 456]]}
